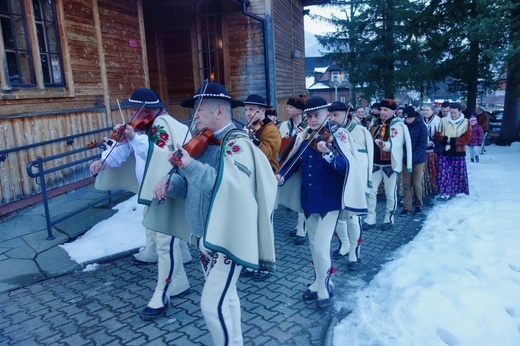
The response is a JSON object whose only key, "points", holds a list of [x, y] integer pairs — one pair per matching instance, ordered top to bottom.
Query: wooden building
{"points": [[66, 63]]}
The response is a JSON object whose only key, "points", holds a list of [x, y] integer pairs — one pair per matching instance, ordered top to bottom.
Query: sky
{"points": [[319, 27], [456, 283]]}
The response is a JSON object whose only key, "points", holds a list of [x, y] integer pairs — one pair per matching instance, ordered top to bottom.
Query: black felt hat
{"points": [[211, 91], [143, 97], [256, 100], [297, 102], [315, 103], [388, 103], [337, 106], [271, 111], [409, 112]]}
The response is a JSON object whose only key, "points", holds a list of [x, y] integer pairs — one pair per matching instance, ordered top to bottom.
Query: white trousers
{"points": [[390, 183], [300, 226], [348, 230], [320, 231], [148, 254], [171, 276], [219, 301]]}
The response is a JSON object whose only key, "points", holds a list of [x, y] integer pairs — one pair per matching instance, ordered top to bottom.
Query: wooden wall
{"points": [[288, 37], [111, 47], [101, 66]]}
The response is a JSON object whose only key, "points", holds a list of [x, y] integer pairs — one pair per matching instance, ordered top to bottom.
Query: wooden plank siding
{"points": [[288, 37], [111, 47], [32, 118], [15, 184]]}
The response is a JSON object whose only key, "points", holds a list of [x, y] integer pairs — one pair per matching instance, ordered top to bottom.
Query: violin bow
{"points": [[192, 122], [113, 146], [293, 160]]}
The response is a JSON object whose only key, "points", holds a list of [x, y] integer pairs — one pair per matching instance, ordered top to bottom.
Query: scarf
{"points": [[453, 128]]}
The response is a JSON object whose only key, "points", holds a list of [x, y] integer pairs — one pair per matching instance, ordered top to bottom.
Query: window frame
{"points": [[204, 53], [39, 90]]}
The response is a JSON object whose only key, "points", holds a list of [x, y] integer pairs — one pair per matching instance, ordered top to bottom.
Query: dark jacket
{"points": [[419, 135]]}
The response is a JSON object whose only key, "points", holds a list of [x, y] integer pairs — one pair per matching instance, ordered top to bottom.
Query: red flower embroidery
{"points": [[159, 136], [235, 148]]}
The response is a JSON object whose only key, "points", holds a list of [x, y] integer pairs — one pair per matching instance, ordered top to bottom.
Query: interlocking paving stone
{"points": [[101, 307]]}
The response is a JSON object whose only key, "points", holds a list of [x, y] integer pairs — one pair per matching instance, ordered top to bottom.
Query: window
{"points": [[209, 41], [29, 60], [336, 76]]}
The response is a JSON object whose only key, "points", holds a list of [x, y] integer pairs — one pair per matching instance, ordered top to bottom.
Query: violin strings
{"points": [[293, 162]]}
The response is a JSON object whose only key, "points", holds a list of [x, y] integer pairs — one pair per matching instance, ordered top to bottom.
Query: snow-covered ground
{"points": [[458, 281]]}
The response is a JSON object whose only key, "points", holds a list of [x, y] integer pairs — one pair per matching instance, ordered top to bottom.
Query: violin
{"points": [[140, 124], [323, 135], [287, 144], [195, 147]]}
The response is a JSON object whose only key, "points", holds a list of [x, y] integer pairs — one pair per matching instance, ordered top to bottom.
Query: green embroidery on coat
{"points": [[243, 168]]}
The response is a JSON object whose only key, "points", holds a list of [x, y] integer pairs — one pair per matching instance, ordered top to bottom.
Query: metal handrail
{"points": [[35, 169]]}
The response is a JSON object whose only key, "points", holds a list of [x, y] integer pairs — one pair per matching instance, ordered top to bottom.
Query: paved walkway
{"points": [[47, 299]]}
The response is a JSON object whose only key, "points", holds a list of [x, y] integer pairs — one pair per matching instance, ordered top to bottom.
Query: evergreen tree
{"points": [[386, 45]]}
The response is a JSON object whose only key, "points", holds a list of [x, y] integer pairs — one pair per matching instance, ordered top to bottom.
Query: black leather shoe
{"points": [[418, 210], [405, 212], [367, 226], [387, 226], [292, 233], [299, 240], [337, 255], [353, 266], [244, 273], [261, 275], [310, 295], [322, 303], [150, 313]]}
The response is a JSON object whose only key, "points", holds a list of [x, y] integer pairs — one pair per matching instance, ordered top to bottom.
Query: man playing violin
{"points": [[262, 130], [288, 131], [155, 133], [266, 137], [391, 137], [326, 165], [226, 214], [349, 228]]}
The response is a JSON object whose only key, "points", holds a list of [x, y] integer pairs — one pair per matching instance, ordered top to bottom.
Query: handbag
{"points": [[438, 147]]}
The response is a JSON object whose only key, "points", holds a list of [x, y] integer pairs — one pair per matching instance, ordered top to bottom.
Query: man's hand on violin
{"points": [[126, 130], [379, 143], [323, 147], [180, 158], [97, 166], [280, 179], [162, 188]]}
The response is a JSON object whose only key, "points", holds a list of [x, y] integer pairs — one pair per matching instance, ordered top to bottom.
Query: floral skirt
{"points": [[430, 175], [453, 175]]}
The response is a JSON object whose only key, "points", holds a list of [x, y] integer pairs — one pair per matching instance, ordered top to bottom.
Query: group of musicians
{"points": [[205, 190]]}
